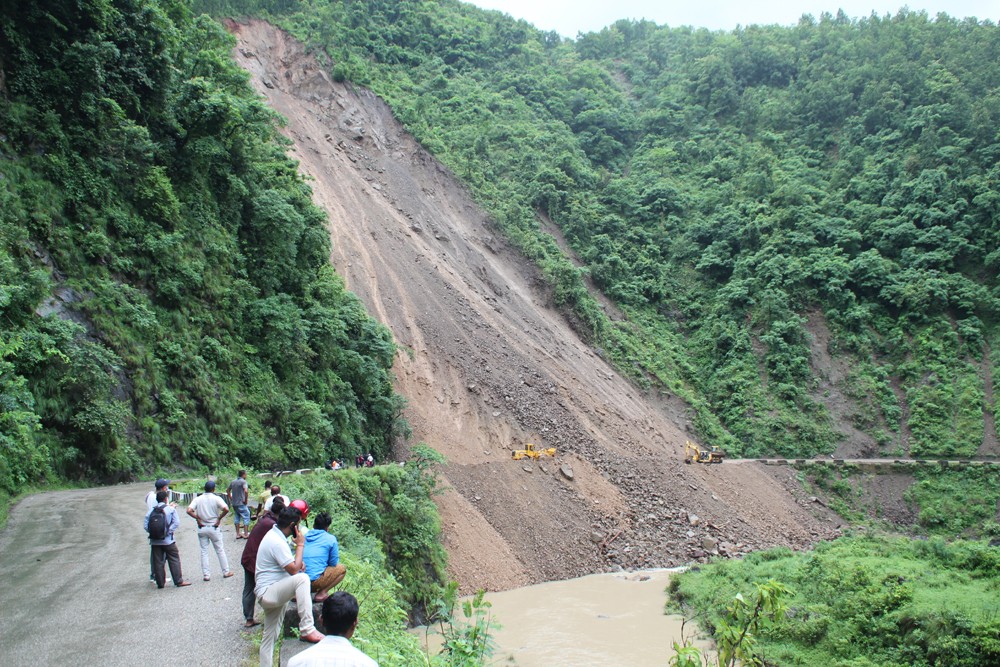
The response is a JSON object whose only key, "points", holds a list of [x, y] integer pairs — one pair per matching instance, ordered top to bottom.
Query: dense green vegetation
{"points": [[723, 188], [165, 290], [944, 502], [387, 517], [865, 601]]}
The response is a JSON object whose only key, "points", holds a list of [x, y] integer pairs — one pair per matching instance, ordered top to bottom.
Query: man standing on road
{"points": [[160, 485], [238, 495], [208, 510], [165, 548], [249, 558], [322, 558], [279, 579], [340, 619]]}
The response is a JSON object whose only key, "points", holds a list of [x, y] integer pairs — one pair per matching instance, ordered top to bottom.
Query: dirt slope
{"points": [[487, 365]]}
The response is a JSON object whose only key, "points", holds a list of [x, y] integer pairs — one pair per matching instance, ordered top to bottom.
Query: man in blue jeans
{"points": [[239, 495]]}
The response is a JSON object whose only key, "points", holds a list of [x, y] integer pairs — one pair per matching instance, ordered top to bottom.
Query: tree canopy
{"points": [[165, 288]]}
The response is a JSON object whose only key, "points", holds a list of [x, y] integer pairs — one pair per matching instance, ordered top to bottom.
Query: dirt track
{"points": [[487, 364]]}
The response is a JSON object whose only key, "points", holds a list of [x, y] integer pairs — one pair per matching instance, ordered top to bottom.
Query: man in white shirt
{"points": [[160, 485], [276, 491], [208, 510], [279, 578], [340, 619]]}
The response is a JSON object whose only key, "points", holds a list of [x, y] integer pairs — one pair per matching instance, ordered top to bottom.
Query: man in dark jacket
{"points": [[249, 559]]}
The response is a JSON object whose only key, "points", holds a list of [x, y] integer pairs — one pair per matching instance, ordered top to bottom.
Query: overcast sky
{"points": [[569, 17]]}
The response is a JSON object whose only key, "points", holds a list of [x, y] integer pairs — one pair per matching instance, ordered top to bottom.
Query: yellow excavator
{"points": [[531, 452], [695, 454]]}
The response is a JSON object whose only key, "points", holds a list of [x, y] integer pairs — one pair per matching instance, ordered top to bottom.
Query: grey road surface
{"points": [[75, 589]]}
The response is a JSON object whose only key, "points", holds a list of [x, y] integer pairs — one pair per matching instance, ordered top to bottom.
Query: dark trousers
{"points": [[168, 552], [249, 599]]}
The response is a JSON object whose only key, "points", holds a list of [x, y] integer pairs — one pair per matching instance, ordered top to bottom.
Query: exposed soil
{"points": [[487, 364]]}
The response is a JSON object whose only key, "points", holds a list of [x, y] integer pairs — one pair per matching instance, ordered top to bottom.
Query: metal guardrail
{"points": [[943, 463]]}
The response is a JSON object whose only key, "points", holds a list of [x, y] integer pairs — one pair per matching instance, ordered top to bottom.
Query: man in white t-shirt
{"points": [[160, 485], [276, 491], [208, 510], [279, 578], [340, 619]]}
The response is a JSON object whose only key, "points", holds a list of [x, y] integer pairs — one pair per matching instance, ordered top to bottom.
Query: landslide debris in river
{"points": [[487, 364]]}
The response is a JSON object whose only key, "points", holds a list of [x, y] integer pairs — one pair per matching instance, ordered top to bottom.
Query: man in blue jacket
{"points": [[165, 548], [322, 558]]}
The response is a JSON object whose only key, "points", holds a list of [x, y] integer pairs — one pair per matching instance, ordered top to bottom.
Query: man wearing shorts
{"points": [[238, 495]]}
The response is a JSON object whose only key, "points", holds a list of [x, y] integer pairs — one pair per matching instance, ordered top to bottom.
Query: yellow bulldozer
{"points": [[531, 452], [695, 454]]}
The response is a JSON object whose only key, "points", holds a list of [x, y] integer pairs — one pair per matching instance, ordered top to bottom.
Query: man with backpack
{"points": [[160, 485], [160, 523]]}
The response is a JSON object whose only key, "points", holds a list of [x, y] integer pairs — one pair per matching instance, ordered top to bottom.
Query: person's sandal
{"points": [[228, 574], [208, 578], [183, 584], [251, 623], [313, 637]]}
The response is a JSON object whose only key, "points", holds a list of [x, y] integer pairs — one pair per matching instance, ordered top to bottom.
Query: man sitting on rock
{"points": [[276, 491], [249, 558], [322, 558], [280, 579], [340, 619]]}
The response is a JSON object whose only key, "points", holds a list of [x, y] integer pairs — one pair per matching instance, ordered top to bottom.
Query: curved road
{"points": [[75, 589]]}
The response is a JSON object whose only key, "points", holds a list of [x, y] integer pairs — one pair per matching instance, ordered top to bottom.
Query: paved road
{"points": [[75, 589]]}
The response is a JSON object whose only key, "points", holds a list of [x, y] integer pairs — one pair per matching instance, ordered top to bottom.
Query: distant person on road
{"points": [[370, 461], [276, 491], [238, 495], [262, 499], [208, 510], [165, 549], [249, 558], [322, 558], [280, 579], [340, 619]]}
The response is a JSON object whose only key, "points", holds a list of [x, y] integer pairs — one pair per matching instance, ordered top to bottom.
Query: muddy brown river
{"points": [[601, 619]]}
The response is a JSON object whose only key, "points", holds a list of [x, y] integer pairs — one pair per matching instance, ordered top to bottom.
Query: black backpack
{"points": [[157, 526]]}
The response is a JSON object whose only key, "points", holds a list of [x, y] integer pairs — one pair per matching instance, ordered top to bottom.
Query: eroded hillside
{"points": [[487, 365]]}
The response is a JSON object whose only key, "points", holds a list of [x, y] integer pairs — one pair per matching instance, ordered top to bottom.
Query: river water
{"points": [[603, 619]]}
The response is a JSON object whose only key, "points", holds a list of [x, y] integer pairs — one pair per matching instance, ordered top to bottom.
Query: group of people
{"points": [[273, 576]]}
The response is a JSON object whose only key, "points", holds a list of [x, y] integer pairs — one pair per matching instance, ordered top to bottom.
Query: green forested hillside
{"points": [[724, 188], [165, 289], [862, 601]]}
